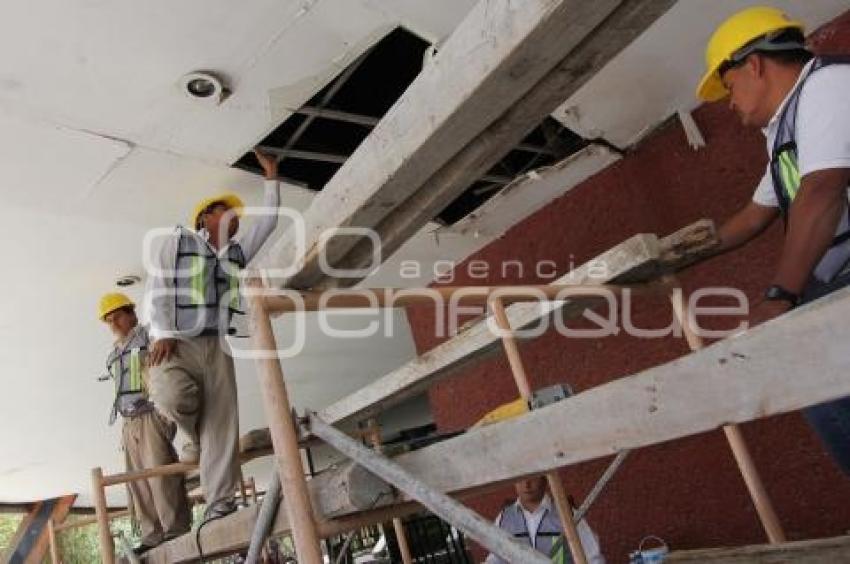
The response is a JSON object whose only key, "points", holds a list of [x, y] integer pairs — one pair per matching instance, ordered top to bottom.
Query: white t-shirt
{"points": [[823, 142], [588, 538]]}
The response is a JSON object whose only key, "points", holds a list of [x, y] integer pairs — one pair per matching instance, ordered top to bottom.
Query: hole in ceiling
{"points": [[314, 142]]}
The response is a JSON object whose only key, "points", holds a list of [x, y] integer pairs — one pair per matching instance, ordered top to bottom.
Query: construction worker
{"points": [[758, 59], [193, 296], [159, 504], [534, 520]]}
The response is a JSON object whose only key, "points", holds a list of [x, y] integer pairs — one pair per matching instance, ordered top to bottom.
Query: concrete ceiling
{"points": [[98, 145]]}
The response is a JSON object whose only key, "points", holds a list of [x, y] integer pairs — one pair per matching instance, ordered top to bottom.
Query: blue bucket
{"points": [[649, 555]]}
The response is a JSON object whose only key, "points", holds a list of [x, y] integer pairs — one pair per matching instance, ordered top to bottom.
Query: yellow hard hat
{"points": [[733, 34], [231, 200], [112, 302]]}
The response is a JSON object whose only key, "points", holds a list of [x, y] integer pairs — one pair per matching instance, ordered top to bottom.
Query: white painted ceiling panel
{"points": [[433, 20], [313, 50], [113, 67], [33, 156], [153, 188]]}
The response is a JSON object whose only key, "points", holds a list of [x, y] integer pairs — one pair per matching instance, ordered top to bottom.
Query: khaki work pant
{"points": [[196, 388], [160, 504]]}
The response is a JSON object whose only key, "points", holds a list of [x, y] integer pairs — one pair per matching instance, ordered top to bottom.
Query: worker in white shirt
{"points": [[758, 59], [194, 294], [534, 520]]}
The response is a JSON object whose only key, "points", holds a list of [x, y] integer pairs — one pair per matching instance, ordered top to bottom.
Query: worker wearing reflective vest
{"points": [[758, 59], [193, 295], [159, 504], [533, 519]]}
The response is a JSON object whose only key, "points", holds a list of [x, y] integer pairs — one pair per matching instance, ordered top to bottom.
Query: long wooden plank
{"points": [[618, 30], [497, 54], [638, 259], [287, 301], [784, 365], [755, 375], [284, 432], [345, 490], [59, 514], [90, 520], [483, 531], [231, 534], [30, 542], [819, 551]]}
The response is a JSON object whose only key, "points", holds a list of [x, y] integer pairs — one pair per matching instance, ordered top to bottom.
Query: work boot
{"points": [[191, 453], [219, 509], [143, 548]]}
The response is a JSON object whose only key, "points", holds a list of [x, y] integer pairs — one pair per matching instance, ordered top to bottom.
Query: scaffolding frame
{"points": [[285, 433], [308, 522]]}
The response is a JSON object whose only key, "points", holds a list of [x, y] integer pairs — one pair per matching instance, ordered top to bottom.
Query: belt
{"points": [[136, 410]]}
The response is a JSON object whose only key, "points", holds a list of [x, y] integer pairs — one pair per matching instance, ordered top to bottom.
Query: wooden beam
{"points": [[624, 24], [495, 56], [638, 259], [285, 301], [740, 379], [736, 380], [374, 438], [740, 451], [188, 468], [145, 473], [350, 486], [556, 486], [346, 490], [296, 496], [15, 508], [60, 512], [90, 520], [483, 531], [219, 537], [51, 538], [32, 540], [107, 546], [13, 548], [819, 551]]}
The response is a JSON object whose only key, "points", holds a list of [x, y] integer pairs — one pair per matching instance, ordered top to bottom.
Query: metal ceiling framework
{"points": [[318, 138]]}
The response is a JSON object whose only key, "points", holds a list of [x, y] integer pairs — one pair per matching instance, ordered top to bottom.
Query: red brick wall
{"points": [[688, 491]]}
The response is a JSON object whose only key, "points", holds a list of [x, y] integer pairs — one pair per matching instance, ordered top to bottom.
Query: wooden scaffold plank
{"points": [[639, 259], [819, 551]]}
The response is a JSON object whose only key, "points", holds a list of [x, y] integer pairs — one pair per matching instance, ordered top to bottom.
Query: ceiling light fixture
{"points": [[203, 86], [128, 280]]}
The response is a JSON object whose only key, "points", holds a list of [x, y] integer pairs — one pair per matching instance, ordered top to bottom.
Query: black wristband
{"points": [[778, 293]]}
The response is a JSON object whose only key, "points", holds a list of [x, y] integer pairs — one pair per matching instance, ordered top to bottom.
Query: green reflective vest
{"points": [[784, 167], [206, 285], [125, 365], [559, 553]]}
